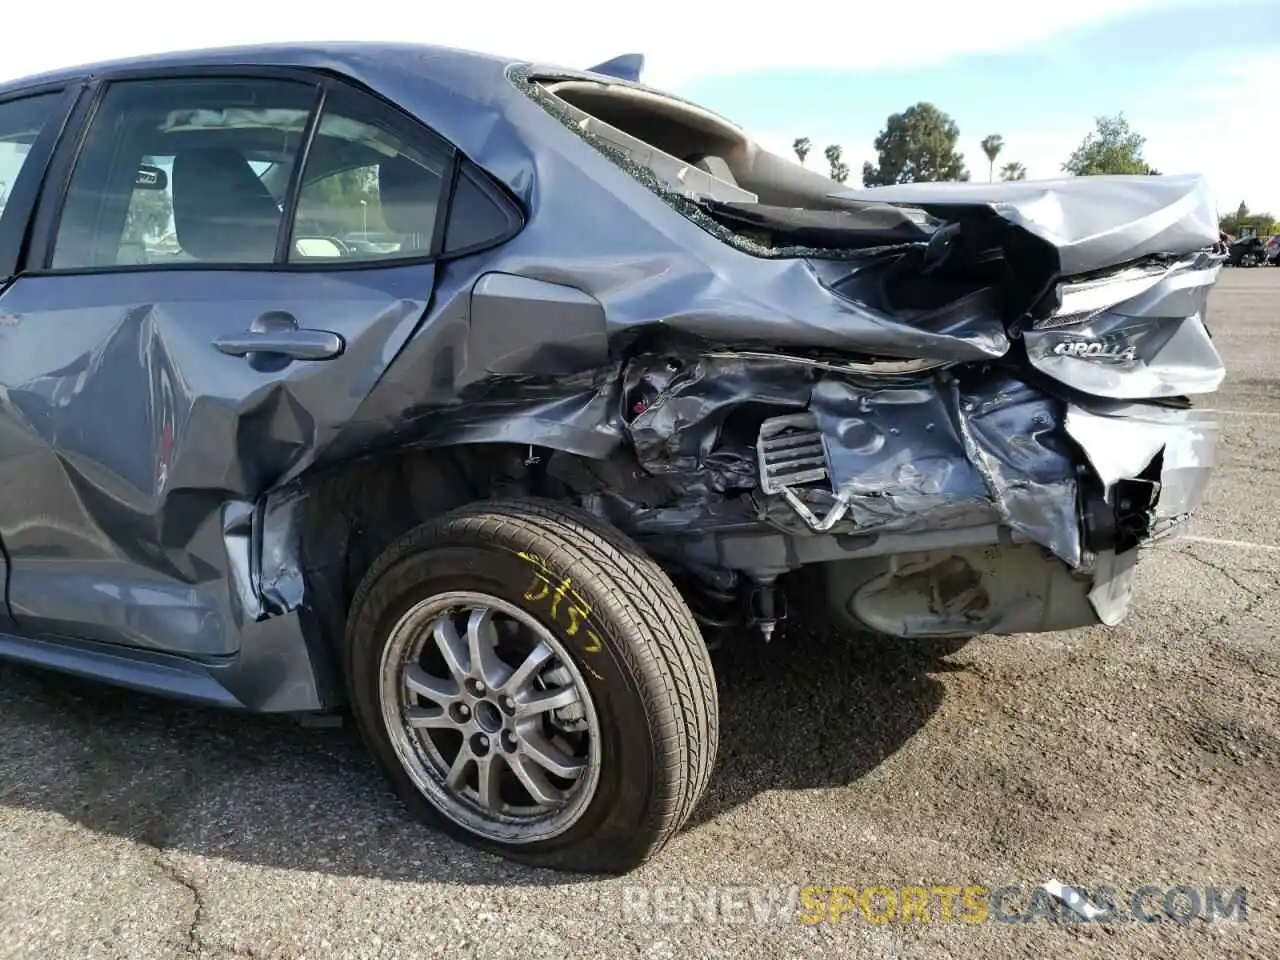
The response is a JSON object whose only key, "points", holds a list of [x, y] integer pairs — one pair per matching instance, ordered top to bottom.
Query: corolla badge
{"points": [[1096, 350]]}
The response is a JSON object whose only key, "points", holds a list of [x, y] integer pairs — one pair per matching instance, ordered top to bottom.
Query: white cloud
{"points": [[680, 40], [1232, 137]]}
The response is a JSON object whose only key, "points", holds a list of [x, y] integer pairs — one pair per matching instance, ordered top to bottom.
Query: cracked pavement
{"points": [[136, 828]]}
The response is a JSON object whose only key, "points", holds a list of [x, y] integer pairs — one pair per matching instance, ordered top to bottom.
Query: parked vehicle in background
{"points": [[370, 242], [1248, 252], [480, 397]]}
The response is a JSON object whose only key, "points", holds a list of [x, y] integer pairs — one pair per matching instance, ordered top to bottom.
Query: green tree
{"points": [[918, 144], [992, 144], [802, 146], [1113, 147], [1013, 170], [839, 171], [333, 205], [1231, 222], [1236, 223]]}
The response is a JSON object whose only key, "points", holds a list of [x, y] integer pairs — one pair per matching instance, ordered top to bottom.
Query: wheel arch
{"points": [[321, 534]]}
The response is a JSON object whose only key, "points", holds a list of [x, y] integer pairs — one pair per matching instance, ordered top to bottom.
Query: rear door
{"points": [[30, 123], [200, 313]]}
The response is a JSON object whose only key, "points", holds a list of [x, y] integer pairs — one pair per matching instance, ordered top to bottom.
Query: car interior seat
{"points": [[409, 195], [222, 211]]}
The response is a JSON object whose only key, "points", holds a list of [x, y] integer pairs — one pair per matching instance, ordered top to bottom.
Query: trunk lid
{"points": [[1090, 222], [1127, 264]]}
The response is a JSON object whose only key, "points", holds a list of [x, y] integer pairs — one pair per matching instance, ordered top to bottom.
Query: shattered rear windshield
{"points": [[745, 213]]}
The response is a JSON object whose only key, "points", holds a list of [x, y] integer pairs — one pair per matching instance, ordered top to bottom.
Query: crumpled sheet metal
{"points": [[1092, 222], [686, 276], [1155, 328], [1012, 434], [1121, 440], [132, 450], [918, 453], [939, 455]]}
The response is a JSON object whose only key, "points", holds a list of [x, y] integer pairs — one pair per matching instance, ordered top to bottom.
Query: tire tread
{"points": [[665, 646]]}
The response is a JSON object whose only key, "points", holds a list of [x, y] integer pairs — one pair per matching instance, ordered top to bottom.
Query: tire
{"points": [[634, 653]]}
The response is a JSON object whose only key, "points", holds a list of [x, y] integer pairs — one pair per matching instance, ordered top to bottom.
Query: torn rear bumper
{"points": [[1152, 463], [1146, 469], [949, 503]]}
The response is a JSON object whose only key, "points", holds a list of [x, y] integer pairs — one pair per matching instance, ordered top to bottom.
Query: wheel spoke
{"points": [[451, 647], [482, 647], [529, 667], [501, 683], [436, 689], [545, 700], [551, 758], [459, 769], [488, 779], [535, 781]]}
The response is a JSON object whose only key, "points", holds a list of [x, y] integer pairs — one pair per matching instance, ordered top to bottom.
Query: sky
{"points": [[1198, 78]]}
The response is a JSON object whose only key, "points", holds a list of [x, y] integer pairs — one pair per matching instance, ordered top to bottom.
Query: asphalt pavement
{"points": [[1142, 756]]}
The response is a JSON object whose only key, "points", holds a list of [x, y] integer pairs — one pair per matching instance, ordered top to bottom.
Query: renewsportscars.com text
{"points": [[939, 903]]}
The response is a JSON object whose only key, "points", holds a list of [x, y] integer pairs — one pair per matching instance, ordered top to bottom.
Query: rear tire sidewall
{"points": [[615, 820]]}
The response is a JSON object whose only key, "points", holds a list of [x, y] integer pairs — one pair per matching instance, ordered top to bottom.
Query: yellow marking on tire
{"points": [[565, 586], [545, 589], [532, 594]]}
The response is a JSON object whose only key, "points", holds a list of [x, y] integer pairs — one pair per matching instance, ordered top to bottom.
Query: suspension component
{"points": [[713, 600], [767, 606], [713, 607]]}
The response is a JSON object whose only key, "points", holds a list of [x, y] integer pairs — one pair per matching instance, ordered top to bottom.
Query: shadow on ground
{"points": [[799, 713]]}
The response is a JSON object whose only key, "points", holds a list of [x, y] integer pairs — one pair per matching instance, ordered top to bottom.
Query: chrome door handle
{"points": [[277, 334], [298, 344]]}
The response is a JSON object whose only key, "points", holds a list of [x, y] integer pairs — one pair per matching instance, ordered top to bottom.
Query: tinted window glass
{"points": [[20, 123], [183, 171], [368, 193], [478, 216]]}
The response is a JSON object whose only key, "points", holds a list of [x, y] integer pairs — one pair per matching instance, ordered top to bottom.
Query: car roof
{"points": [[351, 57], [467, 98]]}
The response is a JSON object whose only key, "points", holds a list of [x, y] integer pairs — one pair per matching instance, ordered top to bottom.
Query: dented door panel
{"points": [[125, 433]]}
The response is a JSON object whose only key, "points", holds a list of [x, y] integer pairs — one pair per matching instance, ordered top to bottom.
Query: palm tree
{"points": [[802, 146], [991, 146], [839, 169], [1013, 171]]}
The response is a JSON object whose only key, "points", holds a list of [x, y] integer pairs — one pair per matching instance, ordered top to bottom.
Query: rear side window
{"points": [[21, 121], [176, 171], [231, 171], [369, 192]]}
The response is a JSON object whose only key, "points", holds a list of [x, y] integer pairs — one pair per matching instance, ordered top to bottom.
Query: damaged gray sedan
{"points": [[483, 398]]}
